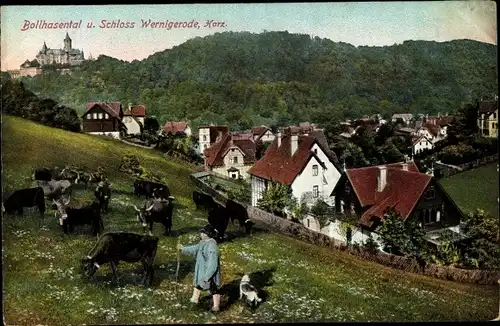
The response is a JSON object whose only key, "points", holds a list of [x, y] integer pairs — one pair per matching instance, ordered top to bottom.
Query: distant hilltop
{"points": [[61, 59]]}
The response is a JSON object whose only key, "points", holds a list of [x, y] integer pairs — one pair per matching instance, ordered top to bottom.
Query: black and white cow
{"points": [[89, 178], [55, 189], [103, 194], [19, 199], [203, 200], [155, 210], [237, 212], [87, 215], [218, 217], [113, 247]]}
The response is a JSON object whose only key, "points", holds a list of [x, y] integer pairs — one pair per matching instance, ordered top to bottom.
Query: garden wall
{"points": [[446, 171], [300, 232]]}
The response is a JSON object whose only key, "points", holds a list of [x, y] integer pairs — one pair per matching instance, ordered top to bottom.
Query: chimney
{"points": [[278, 136], [294, 144], [381, 177]]}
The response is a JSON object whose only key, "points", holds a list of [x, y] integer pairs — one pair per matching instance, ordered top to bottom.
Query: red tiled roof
{"points": [[488, 106], [112, 108], [137, 111], [439, 120], [174, 127], [433, 129], [259, 131], [242, 135], [214, 155], [279, 165], [402, 191]]}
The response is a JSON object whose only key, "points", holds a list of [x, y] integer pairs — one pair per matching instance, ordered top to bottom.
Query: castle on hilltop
{"points": [[65, 56], [63, 59]]}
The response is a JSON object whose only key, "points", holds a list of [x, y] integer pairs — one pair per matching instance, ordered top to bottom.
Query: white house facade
{"points": [[132, 124], [420, 144]]}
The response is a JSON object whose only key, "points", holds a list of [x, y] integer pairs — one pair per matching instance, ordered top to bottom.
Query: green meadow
{"points": [[476, 188], [42, 272]]}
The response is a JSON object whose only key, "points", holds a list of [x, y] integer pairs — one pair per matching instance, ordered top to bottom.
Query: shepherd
{"points": [[207, 275]]}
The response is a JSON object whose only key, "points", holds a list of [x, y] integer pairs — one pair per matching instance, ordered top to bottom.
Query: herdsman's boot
{"points": [[196, 295], [216, 307]]}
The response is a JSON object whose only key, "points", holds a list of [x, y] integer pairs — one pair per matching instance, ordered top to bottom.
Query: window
{"points": [[94, 115], [100, 115], [494, 115], [89, 116], [106, 116], [102, 127], [204, 138], [316, 151], [235, 160], [315, 169], [315, 191], [430, 193], [308, 223]]}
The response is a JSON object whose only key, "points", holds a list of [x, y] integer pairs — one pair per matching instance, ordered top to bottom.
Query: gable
{"points": [[235, 148]]}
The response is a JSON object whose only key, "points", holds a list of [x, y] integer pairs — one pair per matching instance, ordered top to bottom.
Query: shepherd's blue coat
{"points": [[207, 268]]}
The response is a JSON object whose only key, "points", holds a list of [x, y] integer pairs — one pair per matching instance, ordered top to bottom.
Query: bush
{"points": [[458, 154], [370, 245]]}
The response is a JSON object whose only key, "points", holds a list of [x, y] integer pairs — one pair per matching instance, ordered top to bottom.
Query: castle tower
{"points": [[67, 43], [44, 48]]}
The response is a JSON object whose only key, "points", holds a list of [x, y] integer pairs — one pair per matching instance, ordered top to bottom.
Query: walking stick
{"points": [[178, 260]]}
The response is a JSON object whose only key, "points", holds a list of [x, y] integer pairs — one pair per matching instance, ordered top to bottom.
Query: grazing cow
{"points": [[43, 174], [70, 175], [91, 177], [147, 188], [54, 189], [161, 193], [103, 194], [29, 197], [203, 200], [155, 210], [237, 212], [87, 215], [218, 217], [113, 247]]}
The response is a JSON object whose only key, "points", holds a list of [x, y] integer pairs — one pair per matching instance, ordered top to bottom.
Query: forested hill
{"points": [[279, 78]]}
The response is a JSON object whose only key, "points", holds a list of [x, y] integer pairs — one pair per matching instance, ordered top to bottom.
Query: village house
{"points": [[103, 118], [133, 118], [406, 118], [487, 120], [177, 129], [210, 134], [263, 134], [420, 144], [231, 156], [302, 161], [366, 193]]}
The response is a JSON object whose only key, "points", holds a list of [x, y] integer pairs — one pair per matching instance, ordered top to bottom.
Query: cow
{"points": [[43, 174], [67, 174], [90, 178], [147, 188], [54, 189], [161, 192], [103, 194], [28, 197], [203, 200], [155, 210], [237, 212], [87, 215], [218, 217], [113, 247]]}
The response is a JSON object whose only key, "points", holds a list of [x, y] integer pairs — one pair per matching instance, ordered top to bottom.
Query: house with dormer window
{"points": [[103, 118], [301, 160], [366, 193]]}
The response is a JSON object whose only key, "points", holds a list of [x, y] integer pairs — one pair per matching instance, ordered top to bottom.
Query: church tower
{"points": [[67, 43], [44, 48]]}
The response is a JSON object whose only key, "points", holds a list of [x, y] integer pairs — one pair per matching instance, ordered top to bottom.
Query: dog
{"points": [[249, 291]]}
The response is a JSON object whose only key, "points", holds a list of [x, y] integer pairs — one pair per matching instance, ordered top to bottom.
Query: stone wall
{"points": [[446, 171], [298, 231]]}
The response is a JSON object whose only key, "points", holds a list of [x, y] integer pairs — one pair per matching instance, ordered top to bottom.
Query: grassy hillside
{"points": [[476, 188], [43, 284]]}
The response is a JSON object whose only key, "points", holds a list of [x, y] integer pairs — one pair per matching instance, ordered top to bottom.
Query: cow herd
{"points": [[56, 185]]}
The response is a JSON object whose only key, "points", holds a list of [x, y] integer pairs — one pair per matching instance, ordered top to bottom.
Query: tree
{"points": [[151, 124], [260, 149], [276, 198], [298, 210], [321, 212], [482, 230], [399, 237]]}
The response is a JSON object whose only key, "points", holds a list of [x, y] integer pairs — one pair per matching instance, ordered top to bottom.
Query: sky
{"points": [[357, 23]]}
